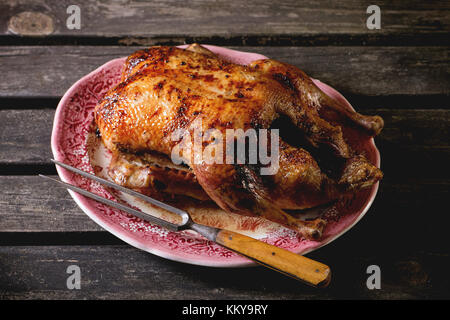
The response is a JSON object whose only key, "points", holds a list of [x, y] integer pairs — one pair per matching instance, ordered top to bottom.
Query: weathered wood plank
{"points": [[255, 21], [46, 72], [26, 136], [411, 139], [33, 204], [411, 207], [119, 272]]}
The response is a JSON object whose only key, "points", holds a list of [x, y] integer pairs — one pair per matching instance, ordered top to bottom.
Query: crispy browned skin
{"points": [[165, 88], [155, 180]]}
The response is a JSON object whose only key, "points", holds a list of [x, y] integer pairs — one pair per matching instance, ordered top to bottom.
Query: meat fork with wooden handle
{"points": [[296, 266]]}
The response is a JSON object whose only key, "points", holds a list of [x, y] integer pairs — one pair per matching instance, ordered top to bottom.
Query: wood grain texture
{"points": [[256, 21], [361, 71], [400, 72], [28, 135], [411, 139], [33, 204], [410, 207], [122, 272]]}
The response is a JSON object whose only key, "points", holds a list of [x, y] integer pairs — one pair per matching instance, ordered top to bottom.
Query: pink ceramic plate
{"points": [[74, 143]]}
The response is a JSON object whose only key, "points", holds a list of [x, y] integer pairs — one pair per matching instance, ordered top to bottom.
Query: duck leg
{"points": [[312, 97], [238, 189]]}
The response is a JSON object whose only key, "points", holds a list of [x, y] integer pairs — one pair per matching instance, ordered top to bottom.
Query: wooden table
{"points": [[400, 72]]}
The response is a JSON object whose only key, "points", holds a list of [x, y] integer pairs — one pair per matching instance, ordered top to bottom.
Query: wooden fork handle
{"points": [[296, 266]]}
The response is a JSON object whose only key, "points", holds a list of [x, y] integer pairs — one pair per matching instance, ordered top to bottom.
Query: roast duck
{"points": [[164, 89]]}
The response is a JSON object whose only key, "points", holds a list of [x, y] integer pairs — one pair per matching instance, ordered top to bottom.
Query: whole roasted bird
{"points": [[165, 89]]}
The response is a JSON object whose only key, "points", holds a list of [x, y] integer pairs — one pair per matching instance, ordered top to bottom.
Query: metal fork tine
{"points": [[155, 202], [117, 205]]}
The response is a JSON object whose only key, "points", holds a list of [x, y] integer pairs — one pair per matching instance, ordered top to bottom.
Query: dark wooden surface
{"points": [[368, 71], [400, 72]]}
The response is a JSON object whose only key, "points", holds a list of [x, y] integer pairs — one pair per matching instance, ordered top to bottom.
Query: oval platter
{"points": [[75, 143]]}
